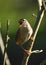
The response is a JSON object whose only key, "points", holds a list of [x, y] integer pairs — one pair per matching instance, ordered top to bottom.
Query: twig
{"points": [[44, 4], [34, 15], [36, 28], [6, 42], [3, 48], [37, 51]]}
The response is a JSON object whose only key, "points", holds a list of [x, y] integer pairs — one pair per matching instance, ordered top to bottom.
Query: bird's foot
{"points": [[31, 39], [26, 51]]}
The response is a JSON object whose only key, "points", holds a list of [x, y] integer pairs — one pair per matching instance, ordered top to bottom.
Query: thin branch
{"points": [[44, 4], [34, 15], [36, 28], [6, 42], [3, 48], [37, 51]]}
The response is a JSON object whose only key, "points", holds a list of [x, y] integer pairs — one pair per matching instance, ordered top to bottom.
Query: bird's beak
{"points": [[19, 25]]}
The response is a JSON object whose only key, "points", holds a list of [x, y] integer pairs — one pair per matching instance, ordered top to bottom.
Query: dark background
{"points": [[14, 10]]}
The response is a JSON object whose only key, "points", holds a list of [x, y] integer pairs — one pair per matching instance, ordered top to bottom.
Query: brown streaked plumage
{"points": [[24, 32]]}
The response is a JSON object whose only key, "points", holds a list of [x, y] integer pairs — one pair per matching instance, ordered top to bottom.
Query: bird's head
{"points": [[21, 21]]}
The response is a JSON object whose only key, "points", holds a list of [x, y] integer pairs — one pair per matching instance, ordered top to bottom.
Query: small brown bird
{"points": [[24, 33]]}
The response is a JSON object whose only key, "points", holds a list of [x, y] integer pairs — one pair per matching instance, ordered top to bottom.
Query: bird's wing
{"points": [[17, 34], [21, 35]]}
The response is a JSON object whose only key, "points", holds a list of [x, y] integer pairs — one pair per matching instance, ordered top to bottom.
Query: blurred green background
{"points": [[17, 9]]}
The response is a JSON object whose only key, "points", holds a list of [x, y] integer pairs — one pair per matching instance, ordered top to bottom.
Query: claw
{"points": [[31, 39], [26, 51]]}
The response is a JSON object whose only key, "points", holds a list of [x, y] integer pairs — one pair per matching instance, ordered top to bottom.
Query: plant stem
{"points": [[36, 28]]}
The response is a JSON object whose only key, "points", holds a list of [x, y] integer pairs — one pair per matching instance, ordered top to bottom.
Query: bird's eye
{"points": [[21, 21]]}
